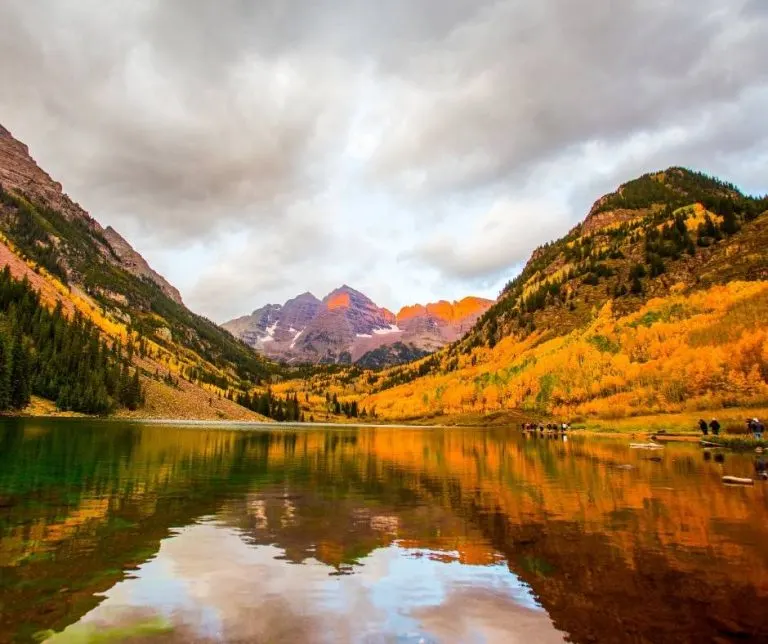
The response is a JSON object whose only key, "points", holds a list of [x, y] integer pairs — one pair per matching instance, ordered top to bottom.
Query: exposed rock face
{"points": [[20, 173], [605, 219], [136, 264], [300, 311], [454, 319], [278, 323], [346, 325]]}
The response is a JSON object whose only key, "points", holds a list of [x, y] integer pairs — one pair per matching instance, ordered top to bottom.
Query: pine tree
{"points": [[730, 223], [19, 368], [5, 375], [134, 391]]}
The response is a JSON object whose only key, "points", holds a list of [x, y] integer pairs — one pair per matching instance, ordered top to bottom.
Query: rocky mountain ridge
{"points": [[20, 173], [346, 325], [187, 366]]}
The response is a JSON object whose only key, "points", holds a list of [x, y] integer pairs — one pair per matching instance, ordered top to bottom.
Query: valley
{"points": [[654, 304], [419, 322]]}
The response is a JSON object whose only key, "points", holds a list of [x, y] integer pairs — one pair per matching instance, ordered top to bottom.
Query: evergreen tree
{"points": [[53, 356], [5, 375], [19, 395]]}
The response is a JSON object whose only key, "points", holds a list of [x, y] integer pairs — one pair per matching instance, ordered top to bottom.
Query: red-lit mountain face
{"points": [[345, 325]]}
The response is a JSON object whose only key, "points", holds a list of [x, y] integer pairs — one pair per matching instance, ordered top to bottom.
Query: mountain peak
{"points": [[673, 185], [69, 259], [344, 288], [346, 297], [347, 324]]}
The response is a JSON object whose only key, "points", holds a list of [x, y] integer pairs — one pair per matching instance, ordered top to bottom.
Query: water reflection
{"points": [[439, 535], [207, 584]]}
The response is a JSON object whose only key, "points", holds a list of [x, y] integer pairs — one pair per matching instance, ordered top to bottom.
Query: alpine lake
{"points": [[116, 531]]}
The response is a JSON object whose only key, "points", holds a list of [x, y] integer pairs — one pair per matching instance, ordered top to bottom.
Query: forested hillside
{"points": [[108, 300], [656, 302], [68, 361]]}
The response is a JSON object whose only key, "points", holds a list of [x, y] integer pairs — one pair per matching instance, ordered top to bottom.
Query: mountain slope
{"points": [[69, 258], [656, 302], [346, 325], [390, 354]]}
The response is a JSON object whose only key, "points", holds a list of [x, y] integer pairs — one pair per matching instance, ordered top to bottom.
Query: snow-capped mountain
{"points": [[345, 325]]}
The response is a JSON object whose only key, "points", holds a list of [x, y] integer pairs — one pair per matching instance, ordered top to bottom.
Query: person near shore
{"points": [[714, 426], [703, 427], [756, 428]]}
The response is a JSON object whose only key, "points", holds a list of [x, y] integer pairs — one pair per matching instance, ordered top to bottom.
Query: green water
{"points": [[113, 531]]}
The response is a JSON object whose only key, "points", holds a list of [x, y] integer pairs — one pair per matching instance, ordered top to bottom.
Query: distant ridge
{"points": [[346, 325]]}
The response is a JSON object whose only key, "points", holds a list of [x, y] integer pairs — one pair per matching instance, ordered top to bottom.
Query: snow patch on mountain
{"points": [[348, 323], [392, 328]]}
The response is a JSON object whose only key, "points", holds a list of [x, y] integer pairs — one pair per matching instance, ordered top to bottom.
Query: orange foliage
{"points": [[701, 350]]}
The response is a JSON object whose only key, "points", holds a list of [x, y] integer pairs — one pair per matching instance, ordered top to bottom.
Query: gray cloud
{"points": [[516, 87], [412, 148], [491, 243]]}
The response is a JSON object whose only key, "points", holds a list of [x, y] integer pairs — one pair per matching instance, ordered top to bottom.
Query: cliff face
{"points": [[19, 173], [134, 263], [450, 320], [346, 325]]}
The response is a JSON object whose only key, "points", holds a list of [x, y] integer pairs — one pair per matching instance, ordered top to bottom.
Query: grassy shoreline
{"points": [[680, 426]]}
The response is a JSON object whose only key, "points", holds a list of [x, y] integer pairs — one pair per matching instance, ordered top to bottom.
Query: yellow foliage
{"points": [[704, 349]]}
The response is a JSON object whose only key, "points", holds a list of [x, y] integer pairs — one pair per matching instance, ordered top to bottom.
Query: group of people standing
{"points": [[714, 426], [550, 427], [754, 427]]}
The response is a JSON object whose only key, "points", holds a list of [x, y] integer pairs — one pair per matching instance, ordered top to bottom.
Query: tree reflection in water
{"points": [[444, 534]]}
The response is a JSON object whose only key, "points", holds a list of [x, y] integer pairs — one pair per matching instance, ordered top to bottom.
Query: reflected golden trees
{"points": [[589, 524]]}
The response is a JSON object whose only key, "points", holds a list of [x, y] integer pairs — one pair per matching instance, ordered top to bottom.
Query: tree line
{"points": [[271, 406]]}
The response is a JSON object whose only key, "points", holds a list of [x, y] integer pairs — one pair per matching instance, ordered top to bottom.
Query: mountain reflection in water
{"points": [[173, 533]]}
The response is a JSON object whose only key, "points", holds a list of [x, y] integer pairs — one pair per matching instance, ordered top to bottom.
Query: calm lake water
{"points": [[112, 531]]}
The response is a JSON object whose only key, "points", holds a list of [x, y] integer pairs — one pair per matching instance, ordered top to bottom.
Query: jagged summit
{"points": [[346, 324]]}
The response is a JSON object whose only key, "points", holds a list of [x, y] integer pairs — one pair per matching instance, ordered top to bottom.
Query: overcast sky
{"points": [[414, 149]]}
